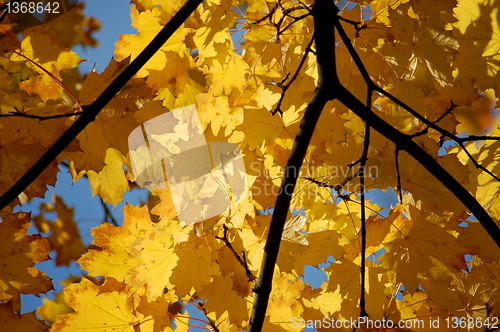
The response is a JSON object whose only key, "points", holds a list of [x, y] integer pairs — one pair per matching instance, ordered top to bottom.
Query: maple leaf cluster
{"points": [[428, 69]]}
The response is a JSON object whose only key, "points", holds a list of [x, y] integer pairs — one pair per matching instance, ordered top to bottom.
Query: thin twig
{"points": [[357, 25], [52, 76], [285, 87], [17, 113], [426, 129], [338, 187], [107, 211], [242, 261], [211, 322]]}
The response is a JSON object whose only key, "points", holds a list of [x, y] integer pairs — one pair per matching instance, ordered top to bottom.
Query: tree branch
{"points": [[325, 91], [91, 111], [404, 143], [363, 159]]}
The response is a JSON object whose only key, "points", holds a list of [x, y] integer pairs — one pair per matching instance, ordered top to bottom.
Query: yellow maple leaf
{"points": [[148, 25], [478, 33], [212, 38], [40, 46], [175, 75], [228, 76], [96, 83], [216, 111], [260, 125], [109, 130], [34, 131], [15, 158], [110, 183], [425, 187], [478, 242], [322, 244], [254, 246], [423, 249], [19, 252], [114, 259], [157, 260], [196, 264], [229, 265], [222, 297], [328, 302], [50, 309], [96, 310], [283, 313], [159, 314], [27, 322]]}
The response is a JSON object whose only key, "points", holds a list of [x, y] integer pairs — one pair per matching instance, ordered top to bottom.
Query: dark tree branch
{"points": [[4, 8], [268, 16], [295, 20], [358, 26], [371, 85], [329, 88], [325, 91], [91, 111], [478, 138], [405, 143], [364, 159], [398, 175]]}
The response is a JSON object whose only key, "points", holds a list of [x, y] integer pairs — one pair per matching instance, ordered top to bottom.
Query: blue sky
{"points": [[115, 18]]}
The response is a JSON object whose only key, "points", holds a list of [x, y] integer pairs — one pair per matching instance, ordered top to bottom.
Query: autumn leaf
{"points": [[39, 46], [15, 158], [111, 176], [65, 236], [418, 245], [18, 256], [112, 257], [157, 261], [196, 264], [221, 298], [50, 309], [92, 312], [23, 323]]}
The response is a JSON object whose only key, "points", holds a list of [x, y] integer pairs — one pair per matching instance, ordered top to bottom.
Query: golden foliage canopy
{"points": [[250, 69]]}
